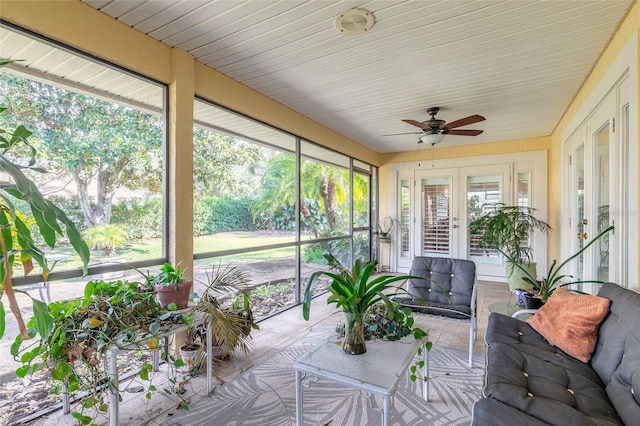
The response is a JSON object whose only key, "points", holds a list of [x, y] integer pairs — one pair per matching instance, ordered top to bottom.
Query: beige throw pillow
{"points": [[570, 321]]}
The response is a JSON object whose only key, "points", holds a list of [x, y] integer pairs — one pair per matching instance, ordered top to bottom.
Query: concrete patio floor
{"points": [[275, 334]]}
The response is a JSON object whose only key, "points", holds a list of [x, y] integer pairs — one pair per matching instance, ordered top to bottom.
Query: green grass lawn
{"points": [[152, 248]]}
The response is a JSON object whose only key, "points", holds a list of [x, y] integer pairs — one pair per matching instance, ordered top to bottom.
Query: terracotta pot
{"points": [[180, 297]]}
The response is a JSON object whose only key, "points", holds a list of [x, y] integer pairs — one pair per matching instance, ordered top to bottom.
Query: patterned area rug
{"points": [[265, 395]]}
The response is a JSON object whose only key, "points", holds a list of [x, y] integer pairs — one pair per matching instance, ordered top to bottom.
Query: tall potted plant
{"points": [[510, 230], [554, 277], [355, 292]]}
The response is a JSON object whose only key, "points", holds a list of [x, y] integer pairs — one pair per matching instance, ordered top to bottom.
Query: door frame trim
{"points": [[534, 162]]}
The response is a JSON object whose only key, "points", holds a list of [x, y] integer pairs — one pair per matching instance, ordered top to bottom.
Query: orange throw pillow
{"points": [[570, 321]]}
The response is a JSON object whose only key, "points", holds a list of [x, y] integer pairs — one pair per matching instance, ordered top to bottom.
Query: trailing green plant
{"points": [[508, 229], [17, 243], [554, 277], [111, 314], [378, 325]]}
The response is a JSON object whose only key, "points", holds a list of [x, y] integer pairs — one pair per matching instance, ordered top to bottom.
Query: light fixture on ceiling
{"points": [[354, 21], [431, 138]]}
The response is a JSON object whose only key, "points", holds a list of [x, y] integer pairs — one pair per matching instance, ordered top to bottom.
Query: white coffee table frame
{"points": [[377, 372]]}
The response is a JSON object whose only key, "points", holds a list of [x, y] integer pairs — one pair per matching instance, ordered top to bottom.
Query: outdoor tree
{"points": [[102, 146], [222, 164], [321, 184], [16, 240]]}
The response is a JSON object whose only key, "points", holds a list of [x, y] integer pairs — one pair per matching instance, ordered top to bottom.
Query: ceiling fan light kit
{"points": [[354, 21], [434, 130], [431, 138]]}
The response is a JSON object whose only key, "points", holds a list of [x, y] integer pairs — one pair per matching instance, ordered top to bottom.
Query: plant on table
{"points": [[509, 230], [16, 241], [554, 277], [171, 286], [355, 292], [115, 314]]}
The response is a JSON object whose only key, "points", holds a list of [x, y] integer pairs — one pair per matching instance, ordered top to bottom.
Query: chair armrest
{"points": [[516, 314]]}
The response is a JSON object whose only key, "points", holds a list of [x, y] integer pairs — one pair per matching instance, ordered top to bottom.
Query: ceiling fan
{"points": [[434, 126]]}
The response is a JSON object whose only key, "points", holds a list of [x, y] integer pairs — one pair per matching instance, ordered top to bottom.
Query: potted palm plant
{"points": [[509, 230], [171, 287], [355, 292], [226, 302]]}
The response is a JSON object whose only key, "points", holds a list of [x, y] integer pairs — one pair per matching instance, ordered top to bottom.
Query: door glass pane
{"points": [[579, 185], [602, 188], [524, 189], [483, 193], [361, 197], [436, 207], [405, 215]]}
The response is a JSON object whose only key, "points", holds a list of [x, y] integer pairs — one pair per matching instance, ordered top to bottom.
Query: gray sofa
{"points": [[530, 382]]}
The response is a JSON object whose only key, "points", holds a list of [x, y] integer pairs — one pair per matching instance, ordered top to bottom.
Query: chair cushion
{"points": [[447, 281], [435, 308], [570, 321]]}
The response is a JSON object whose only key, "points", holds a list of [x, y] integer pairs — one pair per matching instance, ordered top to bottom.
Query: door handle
{"points": [[455, 226], [582, 235]]}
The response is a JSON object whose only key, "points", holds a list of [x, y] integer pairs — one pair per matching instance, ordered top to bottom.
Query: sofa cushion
{"points": [[625, 307], [570, 321], [520, 335], [624, 387], [548, 392], [492, 412]]}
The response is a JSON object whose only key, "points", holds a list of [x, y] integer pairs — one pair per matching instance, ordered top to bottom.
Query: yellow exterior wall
{"points": [[629, 28]]}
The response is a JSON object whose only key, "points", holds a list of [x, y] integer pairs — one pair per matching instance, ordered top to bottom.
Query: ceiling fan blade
{"points": [[464, 121], [417, 124], [465, 132], [410, 133]]}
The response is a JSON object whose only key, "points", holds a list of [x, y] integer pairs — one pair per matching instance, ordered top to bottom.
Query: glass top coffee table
{"points": [[378, 371]]}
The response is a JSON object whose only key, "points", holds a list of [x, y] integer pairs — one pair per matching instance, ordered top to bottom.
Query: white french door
{"points": [[592, 160], [444, 201]]}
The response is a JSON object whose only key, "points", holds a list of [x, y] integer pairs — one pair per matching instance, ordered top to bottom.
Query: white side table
{"points": [[378, 371]]}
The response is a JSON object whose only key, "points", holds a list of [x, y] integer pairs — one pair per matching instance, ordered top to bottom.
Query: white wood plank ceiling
{"points": [[518, 63]]}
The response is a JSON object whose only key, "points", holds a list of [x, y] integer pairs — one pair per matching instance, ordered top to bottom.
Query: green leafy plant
{"points": [[508, 229], [16, 241], [169, 276], [554, 277], [355, 292], [110, 314]]}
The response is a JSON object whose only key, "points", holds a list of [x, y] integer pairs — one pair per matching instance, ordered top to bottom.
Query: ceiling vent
{"points": [[354, 21]]}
